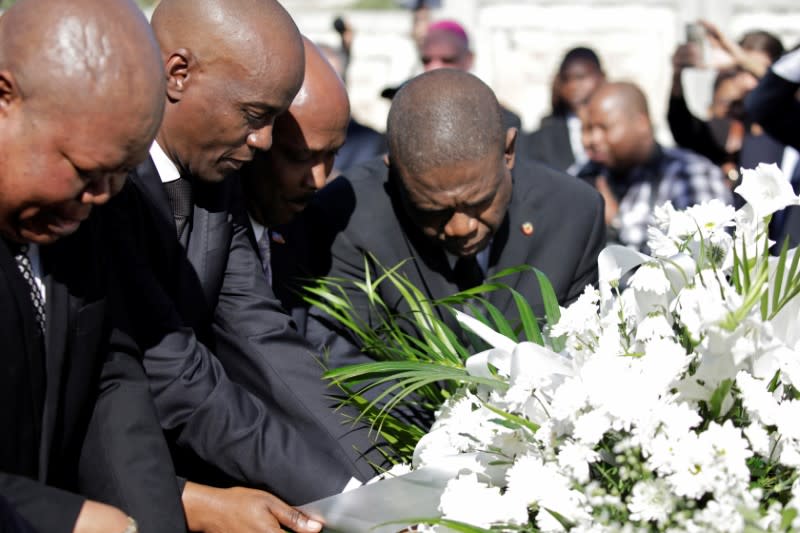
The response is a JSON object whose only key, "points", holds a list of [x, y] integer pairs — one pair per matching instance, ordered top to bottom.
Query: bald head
{"points": [[55, 48], [232, 67], [81, 91], [322, 93], [623, 96], [444, 117], [617, 128], [452, 158], [280, 182]]}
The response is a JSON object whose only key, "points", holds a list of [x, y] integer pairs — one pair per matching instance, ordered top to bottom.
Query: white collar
{"points": [[167, 170], [258, 229]]}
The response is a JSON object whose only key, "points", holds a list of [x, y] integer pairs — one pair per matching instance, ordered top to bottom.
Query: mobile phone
{"points": [[695, 33]]}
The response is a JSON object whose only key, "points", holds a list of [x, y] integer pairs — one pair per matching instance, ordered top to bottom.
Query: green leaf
{"points": [[551, 309], [530, 325], [719, 396], [516, 420]]}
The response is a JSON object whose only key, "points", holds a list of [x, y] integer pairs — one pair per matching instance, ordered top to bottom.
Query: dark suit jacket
{"points": [[774, 106], [361, 144], [549, 144], [364, 214], [234, 383], [77, 415]]}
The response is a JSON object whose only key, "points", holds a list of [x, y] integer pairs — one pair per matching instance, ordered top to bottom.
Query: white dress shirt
{"points": [[167, 170]]}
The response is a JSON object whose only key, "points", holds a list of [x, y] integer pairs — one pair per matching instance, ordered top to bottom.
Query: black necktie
{"points": [[179, 193], [26, 269], [467, 273]]}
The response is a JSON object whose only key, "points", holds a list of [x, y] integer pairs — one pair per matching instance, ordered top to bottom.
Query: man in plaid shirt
{"points": [[633, 172]]}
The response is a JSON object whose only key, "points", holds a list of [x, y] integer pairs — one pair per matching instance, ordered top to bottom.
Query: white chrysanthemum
{"points": [[767, 189], [712, 217], [650, 277], [580, 322], [654, 326], [664, 363], [757, 400], [789, 419], [463, 425], [590, 427], [759, 439], [574, 458], [712, 462], [533, 482], [465, 499], [651, 501]]}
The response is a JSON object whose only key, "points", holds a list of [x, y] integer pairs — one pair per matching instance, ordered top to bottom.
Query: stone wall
{"points": [[518, 44]]}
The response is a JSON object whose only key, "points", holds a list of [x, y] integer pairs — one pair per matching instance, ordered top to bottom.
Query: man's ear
{"points": [[178, 68], [9, 92], [511, 148], [386, 160]]}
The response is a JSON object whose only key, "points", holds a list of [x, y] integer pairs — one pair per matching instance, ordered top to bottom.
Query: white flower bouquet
{"points": [[670, 405]]}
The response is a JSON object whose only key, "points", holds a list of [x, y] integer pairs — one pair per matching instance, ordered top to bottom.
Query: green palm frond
{"points": [[419, 357]]}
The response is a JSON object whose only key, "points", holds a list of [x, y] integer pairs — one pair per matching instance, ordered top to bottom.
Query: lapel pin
{"points": [[527, 229], [277, 238]]}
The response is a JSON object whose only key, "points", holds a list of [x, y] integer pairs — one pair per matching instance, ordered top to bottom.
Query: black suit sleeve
{"points": [[774, 106], [692, 133], [260, 347], [244, 400], [125, 461], [47, 509]]}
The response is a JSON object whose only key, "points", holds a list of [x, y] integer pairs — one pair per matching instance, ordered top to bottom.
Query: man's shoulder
{"points": [[683, 157], [537, 182], [357, 193]]}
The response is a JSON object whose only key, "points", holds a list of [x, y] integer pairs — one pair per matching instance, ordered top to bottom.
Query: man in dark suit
{"points": [[557, 142], [279, 183], [450, 202], [236, 387], [79, 426]]}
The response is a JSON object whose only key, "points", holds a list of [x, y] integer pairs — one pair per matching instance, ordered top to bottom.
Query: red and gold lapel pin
{"points": [[527, 229]]}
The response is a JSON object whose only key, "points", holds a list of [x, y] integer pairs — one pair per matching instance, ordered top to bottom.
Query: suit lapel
{"points": [[148, 181], [210, 237], [509, 248], [19, 288]]}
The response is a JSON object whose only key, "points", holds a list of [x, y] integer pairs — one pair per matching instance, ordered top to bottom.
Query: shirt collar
{"points": [[164, 165], [258, 229], [481, 257]]}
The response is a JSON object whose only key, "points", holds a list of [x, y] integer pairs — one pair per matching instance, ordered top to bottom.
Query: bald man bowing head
{"points": [[81, 98], [279, 183], [451, 205], [236, 387]]}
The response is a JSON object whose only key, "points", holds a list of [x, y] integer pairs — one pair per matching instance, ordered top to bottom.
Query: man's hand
{"points": [[733, 54], [686, 55], [241, 510], [96, 517]]}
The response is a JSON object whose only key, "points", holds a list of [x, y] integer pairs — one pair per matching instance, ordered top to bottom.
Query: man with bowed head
{"points": [[279, 183], [450, 197], [70, 376], [236, 387]]}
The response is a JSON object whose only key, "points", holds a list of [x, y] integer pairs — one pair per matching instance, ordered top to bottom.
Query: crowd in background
{"points": [[608, 140]]}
